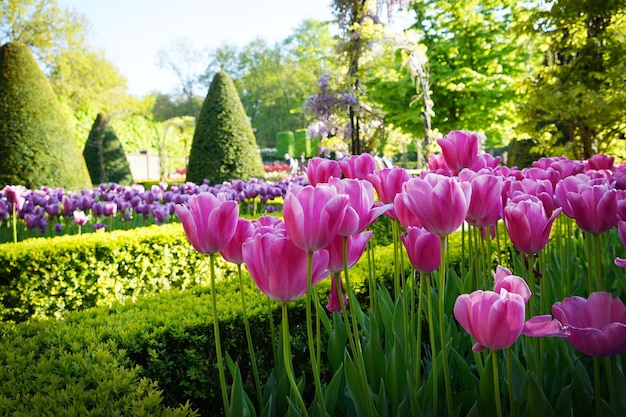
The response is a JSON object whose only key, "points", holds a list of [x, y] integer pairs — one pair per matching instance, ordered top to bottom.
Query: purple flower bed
{"points": [[55, 211]]}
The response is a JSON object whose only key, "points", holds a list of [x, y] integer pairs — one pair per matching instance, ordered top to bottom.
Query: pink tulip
{"points": [[460, 149], [485, 160], [600, 162], [437, 163], [358, 166], [565, 166], [320, 170], [388, 182], [540, 188], [15, 195], [440, 202], [486, 203], [594, 207], [360, 212], [403, 213], [313, 215], [80, 218], [209, 221], [527, 223], [356, 245], [423, 249], [232, 252], [279, 268], [503, 278], [334, 302], [495, 320], [597, 324]]}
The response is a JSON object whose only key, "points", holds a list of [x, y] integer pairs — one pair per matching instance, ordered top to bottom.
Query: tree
{"points": [[185, 61], [577, 100], [36, 142], [223, 147], [104, 154]]}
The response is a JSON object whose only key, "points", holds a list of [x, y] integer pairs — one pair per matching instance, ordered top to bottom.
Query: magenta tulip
{"points": [[460, 149], [600, 162], [437, 163], [358, 166], [320, 170], [388, 182], [15, 196], [440, 202], [485, 206], [594, 207], [360, 212], [403, 213], [313, 215], [209, 221], [527, 223], [355, 245], [423, 249], [232, 252], [279, 268], [503, 278], [334, 302], [495, 320], [597, 324]]}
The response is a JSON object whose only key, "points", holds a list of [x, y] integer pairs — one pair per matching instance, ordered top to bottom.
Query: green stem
{"points": [[15, 224], [597, 245], [396, 250], [246, 323], [309, 328], [442, 328], [216, 331], [433, 348], [418, 356], [288, 361], [509, 370], [609, 380], [496, 382], [596, 383]]}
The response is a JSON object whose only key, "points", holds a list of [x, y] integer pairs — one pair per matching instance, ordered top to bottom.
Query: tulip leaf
{"points": [[337, 340], [373, 355], [396, 374], [336, 386], [486, 390], [359, 391], [537, 404]]}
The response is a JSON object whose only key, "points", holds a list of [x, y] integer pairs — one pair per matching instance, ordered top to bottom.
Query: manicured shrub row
{"points": [[47, 277], [121, 355]]}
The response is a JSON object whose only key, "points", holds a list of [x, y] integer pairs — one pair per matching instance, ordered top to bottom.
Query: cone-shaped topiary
{"points": [[37, 145], [224, 146], [104, 155]]}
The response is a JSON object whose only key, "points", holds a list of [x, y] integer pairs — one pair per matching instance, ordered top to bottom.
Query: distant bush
{"points": [[37, 145], [224, 146]]}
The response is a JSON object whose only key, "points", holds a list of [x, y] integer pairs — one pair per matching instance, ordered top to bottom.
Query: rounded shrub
{"points": [[37, 144], [224, 146], [104, 154]]}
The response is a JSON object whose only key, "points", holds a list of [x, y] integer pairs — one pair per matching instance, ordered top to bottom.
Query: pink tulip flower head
{"points": [[460, 149], [485, 160], [600, 162], [437, 163], [358, 166], [320, 170], [388, 182], [541, 188], [15, 195], [441, 203], [485, 207], [594, 207], [360, 211], [403, 213], [313, 215], [80, 217], [209, 221], [527, 223], [355, 245], [423, 249], [233, 251], [279, 268], [503, 278], [336, 288], [495, 320], [597, 324]]}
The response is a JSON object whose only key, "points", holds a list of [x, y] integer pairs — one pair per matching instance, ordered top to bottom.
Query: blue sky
{"points": [[131, 32]]}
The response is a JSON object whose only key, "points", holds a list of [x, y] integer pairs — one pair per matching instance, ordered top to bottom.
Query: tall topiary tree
{"points": [[37, 145], [224, 146], [104, 155]]}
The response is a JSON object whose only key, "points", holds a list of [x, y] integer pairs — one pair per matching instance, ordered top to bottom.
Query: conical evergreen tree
{"points": [[37, 145], [224, 146], [104, 154]]}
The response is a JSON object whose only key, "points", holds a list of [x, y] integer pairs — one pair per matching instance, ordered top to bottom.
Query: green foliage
{"points": [[577, 101], [36, 142], [285, 143], [302, 145], [224, 146], [522, 153], [104, 155], [50, 276]]}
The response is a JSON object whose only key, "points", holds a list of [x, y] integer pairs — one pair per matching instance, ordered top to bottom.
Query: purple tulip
{"points": [[209, 221], [597, 324]]}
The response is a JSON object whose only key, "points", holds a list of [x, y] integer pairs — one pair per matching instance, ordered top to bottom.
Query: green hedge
{"points": [[47, 277]]}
